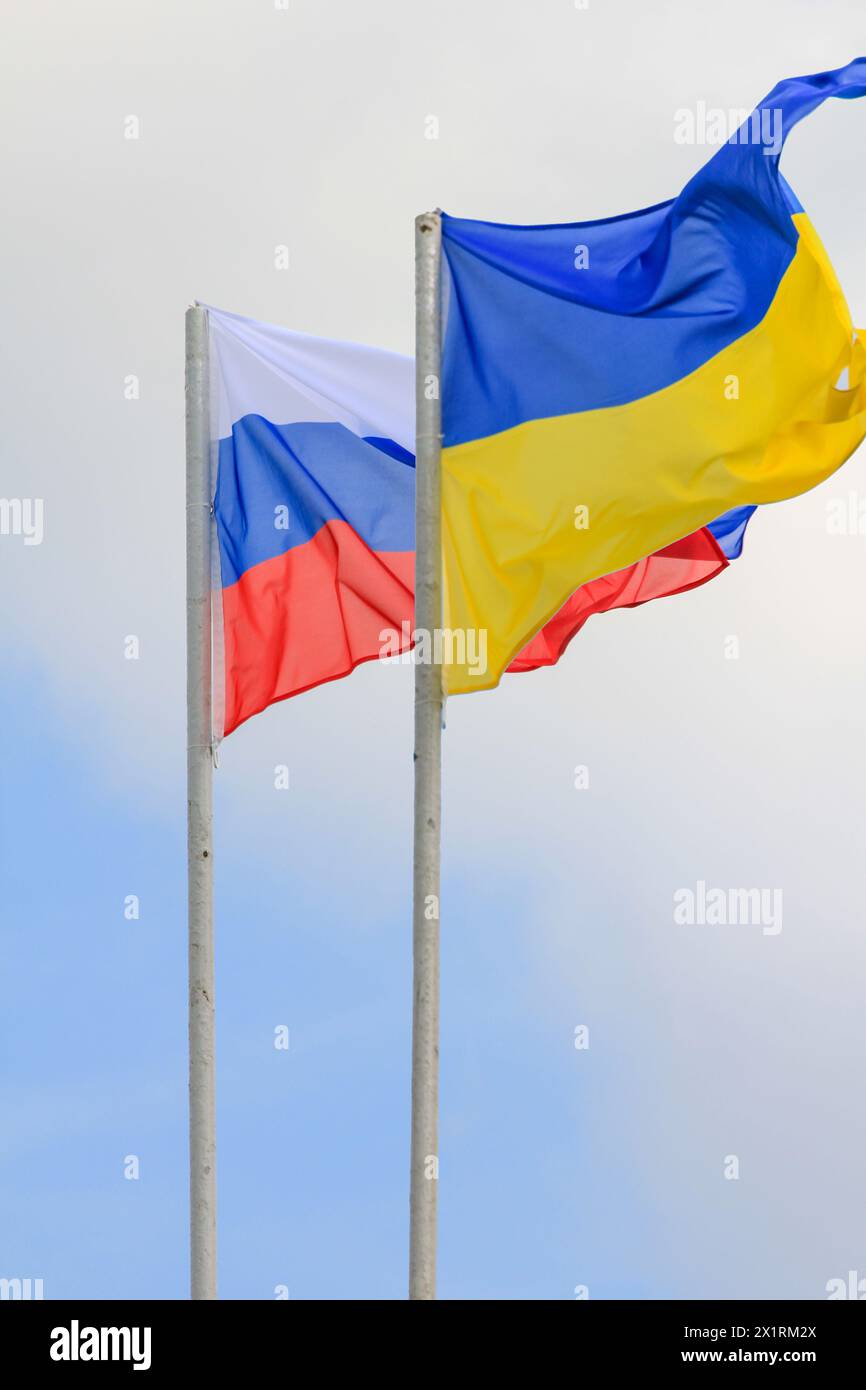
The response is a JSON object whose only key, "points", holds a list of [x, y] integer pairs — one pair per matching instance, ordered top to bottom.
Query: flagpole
{"points": [[202, 1089], [424, 1163]]}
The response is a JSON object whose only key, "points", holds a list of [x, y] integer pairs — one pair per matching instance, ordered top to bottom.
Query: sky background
{"points": [[305, 126]]}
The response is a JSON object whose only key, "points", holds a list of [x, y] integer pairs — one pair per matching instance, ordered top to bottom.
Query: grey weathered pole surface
{"points": [[428, 749], [202, 1085]]}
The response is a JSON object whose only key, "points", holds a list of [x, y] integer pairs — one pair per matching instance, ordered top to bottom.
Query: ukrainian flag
{"points": [[610, 387]]}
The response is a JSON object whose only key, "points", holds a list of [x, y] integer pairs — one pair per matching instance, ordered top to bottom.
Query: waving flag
{"points": [[654, 371], [314, 509], [315, 521]]}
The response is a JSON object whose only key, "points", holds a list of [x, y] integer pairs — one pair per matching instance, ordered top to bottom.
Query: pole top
{"points": [[429, 221]]}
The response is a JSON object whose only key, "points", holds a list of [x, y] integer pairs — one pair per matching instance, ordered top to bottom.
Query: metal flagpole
{"points": [[202, 1089], [424, 1164]]}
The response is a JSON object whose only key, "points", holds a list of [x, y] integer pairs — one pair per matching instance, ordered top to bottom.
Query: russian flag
{"points": [[314, 507], [314, 511]]}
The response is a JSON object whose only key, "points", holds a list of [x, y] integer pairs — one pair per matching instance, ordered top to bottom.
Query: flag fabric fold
{"points": [[660, 372], [679, 567]]}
